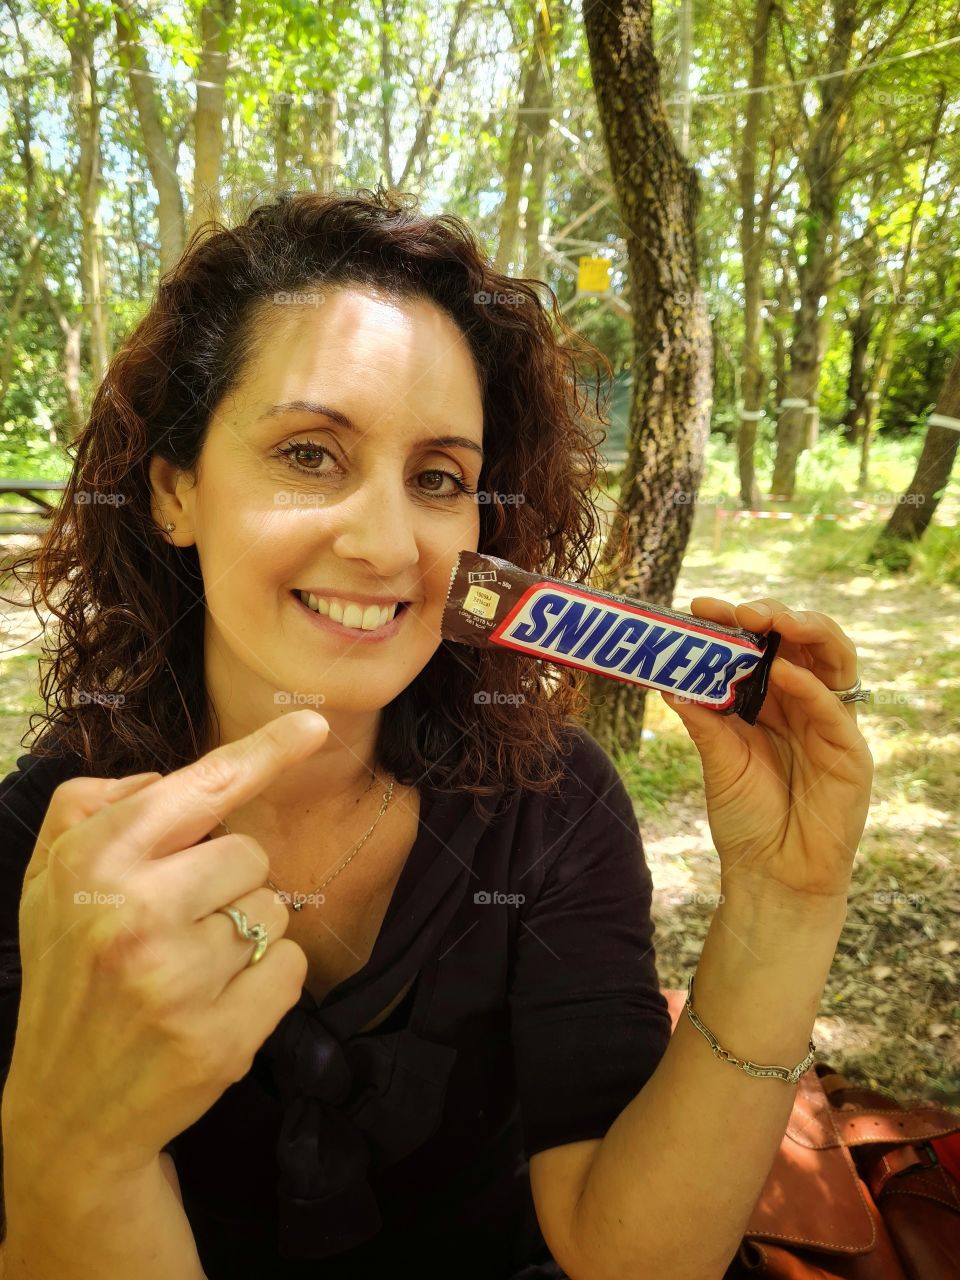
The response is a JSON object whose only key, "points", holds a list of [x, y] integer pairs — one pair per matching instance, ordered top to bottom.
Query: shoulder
{"points": [[585, 760], [591, 780], [33, 782], [24, 799], [588, 814]]}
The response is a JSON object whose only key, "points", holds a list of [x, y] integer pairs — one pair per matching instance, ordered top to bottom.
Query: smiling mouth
{"points": [[349, 615]]}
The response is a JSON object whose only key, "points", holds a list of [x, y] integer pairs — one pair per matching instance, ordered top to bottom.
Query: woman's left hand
{"points": [[787, 797]]}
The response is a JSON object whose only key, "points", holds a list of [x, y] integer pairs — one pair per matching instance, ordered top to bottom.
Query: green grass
{"points": [[826, 485], [668, 768]]}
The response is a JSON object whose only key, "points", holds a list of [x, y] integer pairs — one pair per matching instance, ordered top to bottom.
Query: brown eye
{"points": [[296, 447], [461, 484]]}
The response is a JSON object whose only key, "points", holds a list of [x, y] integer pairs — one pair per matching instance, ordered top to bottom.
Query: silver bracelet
{"points": [[751, 1068]]}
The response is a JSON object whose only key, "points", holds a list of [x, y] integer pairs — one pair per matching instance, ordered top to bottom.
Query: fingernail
{"points": [[760, 610], [307, 719], [120, 786]]}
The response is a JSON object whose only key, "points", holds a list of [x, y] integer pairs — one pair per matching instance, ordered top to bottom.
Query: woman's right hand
{"points": [[137, 1011]]}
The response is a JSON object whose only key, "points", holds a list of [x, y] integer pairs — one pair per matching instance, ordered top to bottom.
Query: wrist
{"points": [[766, 905], [761, 975], [63, 1166], [76, 1196]]}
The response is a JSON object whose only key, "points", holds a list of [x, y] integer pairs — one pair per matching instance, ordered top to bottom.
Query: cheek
{"points": [[439, 555]]}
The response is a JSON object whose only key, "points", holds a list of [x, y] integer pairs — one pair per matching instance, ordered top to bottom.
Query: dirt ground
{"points": [[889, 1015]]}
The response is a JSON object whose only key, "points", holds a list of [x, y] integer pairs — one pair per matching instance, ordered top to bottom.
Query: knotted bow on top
{"points": [[347, 1108]]}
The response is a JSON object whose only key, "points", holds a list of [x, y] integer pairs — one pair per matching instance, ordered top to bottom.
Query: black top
{"points": [[535, 1017]]}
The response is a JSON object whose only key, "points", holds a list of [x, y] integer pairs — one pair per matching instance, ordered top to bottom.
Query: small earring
{"points": [[170, 526]]}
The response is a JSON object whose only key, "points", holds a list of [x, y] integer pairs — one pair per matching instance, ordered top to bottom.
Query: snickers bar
{"points": [[492, 602]]}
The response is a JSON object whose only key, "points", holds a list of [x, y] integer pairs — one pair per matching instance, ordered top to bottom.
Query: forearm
{"points": [[674, 1181], [82, 1228]]}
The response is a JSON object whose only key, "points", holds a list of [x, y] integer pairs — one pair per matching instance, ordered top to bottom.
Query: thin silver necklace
{"points": [[298, 905]]}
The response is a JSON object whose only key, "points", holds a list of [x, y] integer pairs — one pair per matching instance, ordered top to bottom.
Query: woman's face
{"points": [[291, 500]]}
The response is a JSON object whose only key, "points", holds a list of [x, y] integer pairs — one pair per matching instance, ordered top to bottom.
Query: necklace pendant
{"points": [[298, 906]]}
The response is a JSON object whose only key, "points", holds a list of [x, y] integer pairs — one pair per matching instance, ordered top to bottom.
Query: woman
{"points": [[431, 1049]]}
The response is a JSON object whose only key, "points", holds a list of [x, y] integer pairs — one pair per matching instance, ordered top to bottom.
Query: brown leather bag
{"points": [[856, 1191]]}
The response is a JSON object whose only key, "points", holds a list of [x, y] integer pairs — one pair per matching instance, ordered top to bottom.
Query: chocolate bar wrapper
{"points": [[492, 602]]}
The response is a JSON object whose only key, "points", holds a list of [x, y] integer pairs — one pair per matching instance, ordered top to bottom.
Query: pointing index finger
{"points": [[178, 810]]}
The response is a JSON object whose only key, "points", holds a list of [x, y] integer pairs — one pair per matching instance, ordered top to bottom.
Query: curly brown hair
{"points": [[123, 594]]}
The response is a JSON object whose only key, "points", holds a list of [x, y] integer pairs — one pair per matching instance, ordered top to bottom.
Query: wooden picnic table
{"points": [[30, 489]]}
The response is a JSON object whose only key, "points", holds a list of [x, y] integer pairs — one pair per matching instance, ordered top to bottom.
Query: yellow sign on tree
{"points": [[593, 275]]}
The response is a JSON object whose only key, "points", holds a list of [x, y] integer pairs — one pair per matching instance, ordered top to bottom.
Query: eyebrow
{"points": [[310, 406]]}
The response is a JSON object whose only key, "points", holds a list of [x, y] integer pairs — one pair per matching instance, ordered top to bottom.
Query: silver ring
{"points": [[853, 694], [251, 933]]}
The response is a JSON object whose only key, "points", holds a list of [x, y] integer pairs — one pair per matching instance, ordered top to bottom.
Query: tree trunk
{"points": [[215, 19], [683, 74], [87, 115], [542, 137], [158, 150], [327, 153], [658, 197], [509, 238], [752, 239], [816, 269], [861, 331], [778, 334], [805, 346], [884, 351], [71, 366], [916, 508]]}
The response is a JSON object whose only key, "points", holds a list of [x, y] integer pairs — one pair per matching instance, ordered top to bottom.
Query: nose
{"points": [[377, 523]]}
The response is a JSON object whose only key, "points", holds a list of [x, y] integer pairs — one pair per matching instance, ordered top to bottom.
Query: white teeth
{"points": [[349, 614]]}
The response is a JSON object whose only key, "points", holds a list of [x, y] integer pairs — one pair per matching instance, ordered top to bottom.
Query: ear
{"points": [[166, 505]]}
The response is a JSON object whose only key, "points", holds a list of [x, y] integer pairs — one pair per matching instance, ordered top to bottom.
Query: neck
{"points": [[327, 790]]}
